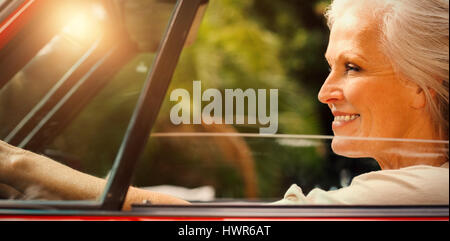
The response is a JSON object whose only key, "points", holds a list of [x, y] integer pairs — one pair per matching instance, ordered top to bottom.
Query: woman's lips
{"points": [[342, 119]]}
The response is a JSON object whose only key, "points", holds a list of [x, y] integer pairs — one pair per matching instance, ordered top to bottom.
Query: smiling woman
{"points": [[388, 80], [367, 90]]}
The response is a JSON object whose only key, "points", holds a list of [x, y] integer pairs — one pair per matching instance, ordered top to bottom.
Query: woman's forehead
{"points": [[351, 33]]}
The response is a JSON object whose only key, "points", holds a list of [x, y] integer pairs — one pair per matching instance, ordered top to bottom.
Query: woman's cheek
{"points": [[364, 101]]}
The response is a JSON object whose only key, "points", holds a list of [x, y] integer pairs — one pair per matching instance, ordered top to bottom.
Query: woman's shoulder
{"points": [[442, 168], [416, 171], [422, 178], [419, 184]]}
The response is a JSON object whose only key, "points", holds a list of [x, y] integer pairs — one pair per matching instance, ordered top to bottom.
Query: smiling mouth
{"points": [[345, 118], [342, 120]]}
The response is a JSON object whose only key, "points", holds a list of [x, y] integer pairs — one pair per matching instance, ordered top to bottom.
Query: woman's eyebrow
{"points": [[345, 54], [352, 54]]}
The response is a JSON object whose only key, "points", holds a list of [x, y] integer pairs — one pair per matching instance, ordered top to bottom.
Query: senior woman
{"points": [[388, 81]]}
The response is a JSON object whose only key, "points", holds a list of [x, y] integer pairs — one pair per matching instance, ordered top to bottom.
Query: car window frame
{"points": [[77, 95]]}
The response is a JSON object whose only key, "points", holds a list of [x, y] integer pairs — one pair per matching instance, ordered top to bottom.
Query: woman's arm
{"points": [[22, 169]]}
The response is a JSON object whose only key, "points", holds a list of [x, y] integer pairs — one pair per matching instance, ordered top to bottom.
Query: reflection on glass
{"points": [[47, 70], [89, 143]]}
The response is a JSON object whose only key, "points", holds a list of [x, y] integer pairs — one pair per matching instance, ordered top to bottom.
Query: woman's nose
{"points": [[330, 91]]}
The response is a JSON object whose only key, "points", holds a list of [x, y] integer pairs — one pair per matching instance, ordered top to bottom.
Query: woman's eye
{"points": [[352, 67]]}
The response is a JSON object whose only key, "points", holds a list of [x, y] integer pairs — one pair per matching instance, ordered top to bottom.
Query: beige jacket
{"points": [[415, 185]]}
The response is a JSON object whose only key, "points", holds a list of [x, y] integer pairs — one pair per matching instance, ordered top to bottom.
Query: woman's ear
{"points": [[419, 99]]}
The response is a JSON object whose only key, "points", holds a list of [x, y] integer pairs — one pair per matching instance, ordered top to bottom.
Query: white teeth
{"points": [[345, 117]]}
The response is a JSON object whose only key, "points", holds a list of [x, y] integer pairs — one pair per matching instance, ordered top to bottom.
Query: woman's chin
{"points": [[348, 147]]}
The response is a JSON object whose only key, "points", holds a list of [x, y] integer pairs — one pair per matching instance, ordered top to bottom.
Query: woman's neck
{"points": [[414, 153]]}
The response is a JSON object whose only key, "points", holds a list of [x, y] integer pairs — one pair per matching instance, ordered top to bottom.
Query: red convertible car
{"points": [[85, 83]]}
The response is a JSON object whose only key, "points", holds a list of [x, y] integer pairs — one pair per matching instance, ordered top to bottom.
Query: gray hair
{"points": [[415, 36]]}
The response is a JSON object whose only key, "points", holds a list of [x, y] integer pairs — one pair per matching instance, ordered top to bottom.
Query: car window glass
{"points": [[48, 68], [89, 141], [196, 151], [191, 157]]}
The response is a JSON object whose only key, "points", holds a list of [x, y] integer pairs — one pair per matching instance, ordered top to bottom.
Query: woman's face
{"points": [[366, 96]]}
